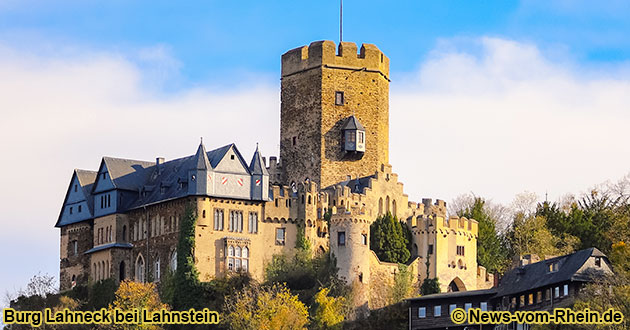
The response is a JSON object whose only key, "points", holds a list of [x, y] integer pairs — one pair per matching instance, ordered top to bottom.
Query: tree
{"points": [[530, 235], [389, 240], [492, 251], [186, 280], [430, 286], [133, 295], [265, 307], [329, 311]]}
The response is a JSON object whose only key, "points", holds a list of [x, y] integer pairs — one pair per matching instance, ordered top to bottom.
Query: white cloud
{"points": [[506, 119]]}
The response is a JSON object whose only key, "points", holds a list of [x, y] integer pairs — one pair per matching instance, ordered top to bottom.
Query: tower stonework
{"points": [[322, 87]]}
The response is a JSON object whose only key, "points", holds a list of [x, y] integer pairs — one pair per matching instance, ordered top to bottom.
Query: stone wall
{"points": [[309, 116]]}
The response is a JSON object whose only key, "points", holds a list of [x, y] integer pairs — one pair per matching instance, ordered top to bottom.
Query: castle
{"points": [[122, 221]]}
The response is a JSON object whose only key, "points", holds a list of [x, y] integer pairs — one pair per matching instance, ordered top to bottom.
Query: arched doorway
{"points": [[121, 270], [456, 285]]}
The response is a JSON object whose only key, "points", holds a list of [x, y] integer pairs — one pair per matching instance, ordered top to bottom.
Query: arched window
{"points": [[302, 199], [309, 199], [276, 201], [387, 204], [380, 206], [394, 207], [124, 233], [415, 249], [230, 258], [237, 258], [173, 261], [245, 263], [140, 269], [156, 269], [102, 270], [95, 272], [122, 273]]}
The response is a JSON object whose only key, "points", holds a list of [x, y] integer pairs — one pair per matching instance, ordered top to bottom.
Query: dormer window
{"points": [[552, 267]]}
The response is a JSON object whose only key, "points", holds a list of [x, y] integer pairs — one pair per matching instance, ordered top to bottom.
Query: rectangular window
{"points": [[339, 98], [361, 137], [294, 140], [75, 188], [79, 208], [70, 209], [218, 219], [253, 222], [280, 233], [341, 238], [364, 239], [75, 248], [430, 250], [598, 261], [553, 267], [565, 290], [556, 292], [548, 294], [530, 300], [521, 301], [467, 306], [484, 306], [451, 308], [437, 311], [422, 312]]}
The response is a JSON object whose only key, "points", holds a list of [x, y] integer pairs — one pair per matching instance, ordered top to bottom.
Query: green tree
{"points": [[530, 235], [389, 239], [492, 250], [186, 280], [430, 286]]}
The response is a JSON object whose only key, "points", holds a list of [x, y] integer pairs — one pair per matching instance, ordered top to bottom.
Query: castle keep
{"points": [[122, 221]]}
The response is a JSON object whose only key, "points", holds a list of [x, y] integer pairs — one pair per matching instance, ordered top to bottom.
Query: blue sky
{"points": [[223, 41], [489, 97]]}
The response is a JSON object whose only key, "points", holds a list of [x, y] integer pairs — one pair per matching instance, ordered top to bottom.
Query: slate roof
{"points": [[353, 123], [257, 166], [125, 173], [86, 181], [159, 183], [357, 185], [110, 245], [537, 275], [458, 294]]}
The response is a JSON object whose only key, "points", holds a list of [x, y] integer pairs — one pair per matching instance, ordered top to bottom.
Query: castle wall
{"points": [[72, 264]]}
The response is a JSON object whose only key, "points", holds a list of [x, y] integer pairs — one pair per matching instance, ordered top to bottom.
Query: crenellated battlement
{"points": [[326, 53]]}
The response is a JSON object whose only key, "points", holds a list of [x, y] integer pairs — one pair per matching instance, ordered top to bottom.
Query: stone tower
{"points": [[322, 87]]}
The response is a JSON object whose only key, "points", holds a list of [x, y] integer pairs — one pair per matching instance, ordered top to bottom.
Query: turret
{"points": [[198, 173], [260, 177]]}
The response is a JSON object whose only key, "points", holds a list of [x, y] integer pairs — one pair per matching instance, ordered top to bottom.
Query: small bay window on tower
{"points": [[354, 135]]}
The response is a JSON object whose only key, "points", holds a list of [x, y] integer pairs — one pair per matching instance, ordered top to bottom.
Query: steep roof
{"points": [[353, 123], [200, 159], [257, 165], [126, 173], [86, 181], [357, 185], [537, 275]]}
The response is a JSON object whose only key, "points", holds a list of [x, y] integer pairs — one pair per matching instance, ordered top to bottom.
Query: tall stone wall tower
{"points": [[322, 88]]}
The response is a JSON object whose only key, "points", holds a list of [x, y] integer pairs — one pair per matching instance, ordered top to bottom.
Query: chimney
{"points": [[158, 164]]}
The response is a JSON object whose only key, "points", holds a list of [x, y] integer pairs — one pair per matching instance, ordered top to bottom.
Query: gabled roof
{"points": [[353, 123], [216, 155], [257, 165], [126, 173], [86, 181], [537, 275], [458, 294]]}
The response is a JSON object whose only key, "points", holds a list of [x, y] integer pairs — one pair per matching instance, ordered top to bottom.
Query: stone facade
{"points": [[311, 136], [247, 213]]}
